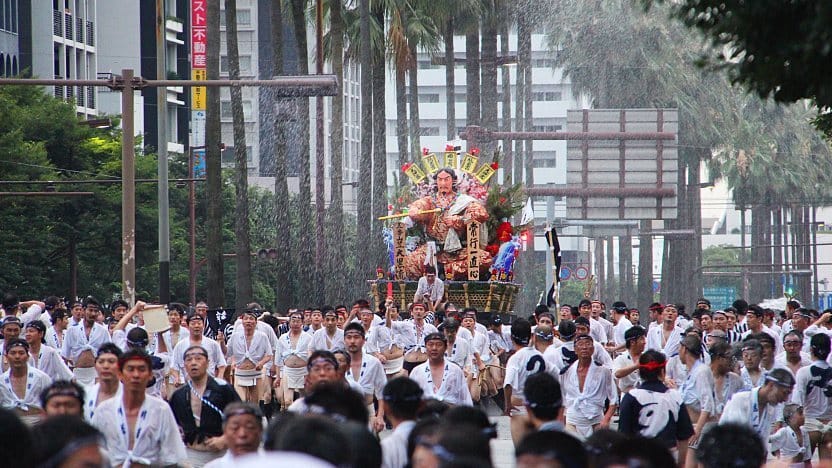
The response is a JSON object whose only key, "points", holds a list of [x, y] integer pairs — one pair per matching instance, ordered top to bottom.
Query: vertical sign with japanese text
{"points": [[199, 45], [473, 231]]}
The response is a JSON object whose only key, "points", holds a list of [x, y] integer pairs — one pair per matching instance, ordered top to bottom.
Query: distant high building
{"points": [[58, 40], [9, 44]]}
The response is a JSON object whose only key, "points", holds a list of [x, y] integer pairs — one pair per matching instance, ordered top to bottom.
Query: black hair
{"points": [[430, 269], [90, 300], [10, 302], [51, 302], [118, 303], [793, 304], [741, 306], [178, 307], [541, 309], [56, 315], [355, 326], [521, 331], [763, 337], [693, 345], [820, 345], [109, 348], [135, 353], [344, 353], [646, 372], [62, 388], [543, 396], [403, 397], [338, 401], [432, 408], [474, 417], [423, 429], [316, 436], [56, 438], [16, 441], [601, 442], [734, 445], [557, 446], [364, 447], [638, 451]]}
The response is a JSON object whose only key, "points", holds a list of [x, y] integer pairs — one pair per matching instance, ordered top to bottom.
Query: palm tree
{"points": [[490, 29], [213, 164], [365, 210], [282, 242], [243, 245], [377, 251], [305, 269], [336, 269]]}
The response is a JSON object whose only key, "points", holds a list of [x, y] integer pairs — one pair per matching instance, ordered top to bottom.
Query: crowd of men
{"points": [[580, 384]]}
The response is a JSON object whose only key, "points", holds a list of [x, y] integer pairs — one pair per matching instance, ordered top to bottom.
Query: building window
{"points": [[243, 17], [543, 63], [245, 64], [425, 65], [546, 96], [428, 98], [225, 110], [546, 128], [429, 131], [545, 159]]}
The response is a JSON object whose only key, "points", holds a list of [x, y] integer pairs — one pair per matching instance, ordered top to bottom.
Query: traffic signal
{"points": [[267, 254]]}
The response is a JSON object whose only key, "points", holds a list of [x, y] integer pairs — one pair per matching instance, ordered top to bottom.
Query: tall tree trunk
{"points": [[450, 67], [472, 75], [489, 77], [413, 84], [401, 117], [519, 120], [508, 155], [320, 163], [213, 164], [365, 167], [379, 203], [760, 236], [243, 245], [777, 252], [283, 263], [645, 268], [625, 269], [306, 271], [337, 283], [609, 284], [693, 290]]}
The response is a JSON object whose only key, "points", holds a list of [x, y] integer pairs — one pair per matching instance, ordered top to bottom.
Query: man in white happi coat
{"points": [[412, 335], [329, 337], [666, 337], [82, 342], [249, 353], [45, 358], [216, 358], [290, 360], [524, 362], [366, 370], [440, 378], [22, 384], [108, 385], [587, 385], [813, 392], [757, 408], [140, 429]]}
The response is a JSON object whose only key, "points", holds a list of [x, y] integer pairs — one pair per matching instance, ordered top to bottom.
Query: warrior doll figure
{"points": [[446, 228]]}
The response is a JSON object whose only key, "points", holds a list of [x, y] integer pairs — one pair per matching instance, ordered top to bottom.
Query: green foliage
{"points": [[771, 47], [503, 202], [722, 255]]}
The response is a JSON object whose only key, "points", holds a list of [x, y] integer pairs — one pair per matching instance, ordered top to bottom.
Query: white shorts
{"points": [[394, 366], [295, 377]]}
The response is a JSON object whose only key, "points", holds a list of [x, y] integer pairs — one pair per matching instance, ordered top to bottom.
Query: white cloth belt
{"points": [[393, 366], [85, 375], [295, 376], [247, 377], [134, 459]]}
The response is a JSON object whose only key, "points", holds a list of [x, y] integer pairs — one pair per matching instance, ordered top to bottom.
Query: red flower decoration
{"points": [[449, 147], [425, 151], [475, 151], [494, 165], [406, 166], [502, 200]]}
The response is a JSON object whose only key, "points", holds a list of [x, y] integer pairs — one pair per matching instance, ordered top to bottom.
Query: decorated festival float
{"points": [[455, 216]]}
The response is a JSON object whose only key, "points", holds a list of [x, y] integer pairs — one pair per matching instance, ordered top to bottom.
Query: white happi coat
{"points": [[76, 341], [321, 341], [240, 350], [50, 362], [371, 377], [36, 382], [452, 389], [587, 407], [156, 435]]}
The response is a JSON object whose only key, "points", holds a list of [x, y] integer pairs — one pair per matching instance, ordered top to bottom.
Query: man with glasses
{"points": [[82, 342], [792, 359], [322, 367], [198, 408]]}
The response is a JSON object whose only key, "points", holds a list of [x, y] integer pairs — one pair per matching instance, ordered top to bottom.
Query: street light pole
{"points": [[162, 153]]}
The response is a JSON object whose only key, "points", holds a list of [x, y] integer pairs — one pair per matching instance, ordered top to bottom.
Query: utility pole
{"points": [[162, 153], [320, 210]]}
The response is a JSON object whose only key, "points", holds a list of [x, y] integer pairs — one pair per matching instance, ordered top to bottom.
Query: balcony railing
{"points": [[57, 19], [68, 26], [79, 29], [90, 33], [81, 95], [90, 97]]}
